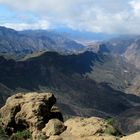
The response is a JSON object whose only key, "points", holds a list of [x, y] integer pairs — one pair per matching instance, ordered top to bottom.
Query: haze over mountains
{"points": [[23, 43], [97, 78]]}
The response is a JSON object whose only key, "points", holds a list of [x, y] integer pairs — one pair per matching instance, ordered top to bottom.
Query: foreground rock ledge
{"points": [[30, 111], [37, 113]]}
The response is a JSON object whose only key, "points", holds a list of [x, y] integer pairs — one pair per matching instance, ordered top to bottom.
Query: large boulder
{"points": [[30, 111], [54, 127], [88, 129]]}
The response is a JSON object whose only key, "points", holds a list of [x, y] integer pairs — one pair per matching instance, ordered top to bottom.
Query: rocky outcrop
{"points": [[30, 111], [36, 115], [54, 127], [88, 129]]}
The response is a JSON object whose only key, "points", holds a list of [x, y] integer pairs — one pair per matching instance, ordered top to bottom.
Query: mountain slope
{"points": [[21, 43], [119, 45], [128, 48], [132, 54], [66, 75], [5, 92], [129, 120]]}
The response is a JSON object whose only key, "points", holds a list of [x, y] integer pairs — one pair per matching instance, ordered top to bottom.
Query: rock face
{"points": [[29, 111], [54, 127], [88, 129]]}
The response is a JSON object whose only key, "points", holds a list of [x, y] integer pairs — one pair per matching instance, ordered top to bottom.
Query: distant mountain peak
{"points": [[21, 43], [103, 49]]}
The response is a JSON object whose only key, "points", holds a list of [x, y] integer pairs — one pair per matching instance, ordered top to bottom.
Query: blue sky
{"points": [[107, 16]]}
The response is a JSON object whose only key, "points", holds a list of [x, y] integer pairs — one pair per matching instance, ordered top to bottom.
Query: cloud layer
{"points": [[109, 16]]}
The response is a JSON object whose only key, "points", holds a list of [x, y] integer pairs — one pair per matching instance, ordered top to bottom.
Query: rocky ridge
{"points": [[17, 44]]}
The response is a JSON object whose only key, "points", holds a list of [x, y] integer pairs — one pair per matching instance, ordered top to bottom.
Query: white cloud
{"points": [[136, 6], [110, 16], [24, 26]]}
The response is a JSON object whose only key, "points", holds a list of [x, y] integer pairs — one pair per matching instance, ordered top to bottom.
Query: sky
{"points": [[99, 16]]}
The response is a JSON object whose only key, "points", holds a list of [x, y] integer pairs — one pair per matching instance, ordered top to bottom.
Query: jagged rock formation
{"points": [[28, 111], [53, 127]]}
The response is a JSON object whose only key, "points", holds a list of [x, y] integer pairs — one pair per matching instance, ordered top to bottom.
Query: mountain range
{"points": [[20, 43], [86, 82]]}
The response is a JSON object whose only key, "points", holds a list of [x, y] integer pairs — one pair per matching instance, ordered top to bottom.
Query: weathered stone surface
{"points": [[28, 111], [56, 113], [86, 126], [54, 127], [87, 129], [135, 136], [56, 138], [88, 138]]}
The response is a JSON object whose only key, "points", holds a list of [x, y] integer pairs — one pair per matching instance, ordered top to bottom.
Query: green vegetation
{"points": [[110, 121], [2, 131], [111, 131], [25, 134], [3, 135]]}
